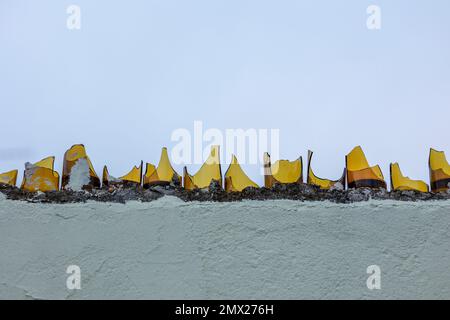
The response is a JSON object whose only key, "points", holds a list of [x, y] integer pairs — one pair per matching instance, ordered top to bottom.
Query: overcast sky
{"points": [[138, 70]]}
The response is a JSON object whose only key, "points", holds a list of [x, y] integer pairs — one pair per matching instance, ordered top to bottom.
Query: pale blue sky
{"points": [[137, 70]]}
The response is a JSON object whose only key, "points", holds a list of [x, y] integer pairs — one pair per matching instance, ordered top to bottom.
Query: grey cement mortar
{"points": [[170, 249]]}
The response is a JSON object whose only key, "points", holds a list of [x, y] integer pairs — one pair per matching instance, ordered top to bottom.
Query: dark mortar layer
{"points": [[299, 192], [305, 192], [118, 195]]}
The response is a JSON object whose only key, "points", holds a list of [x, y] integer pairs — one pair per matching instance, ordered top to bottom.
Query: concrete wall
{"points": [[260, 250]]}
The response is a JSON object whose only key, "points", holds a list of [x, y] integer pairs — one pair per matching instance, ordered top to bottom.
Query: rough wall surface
{"points": [[168, 249]]}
